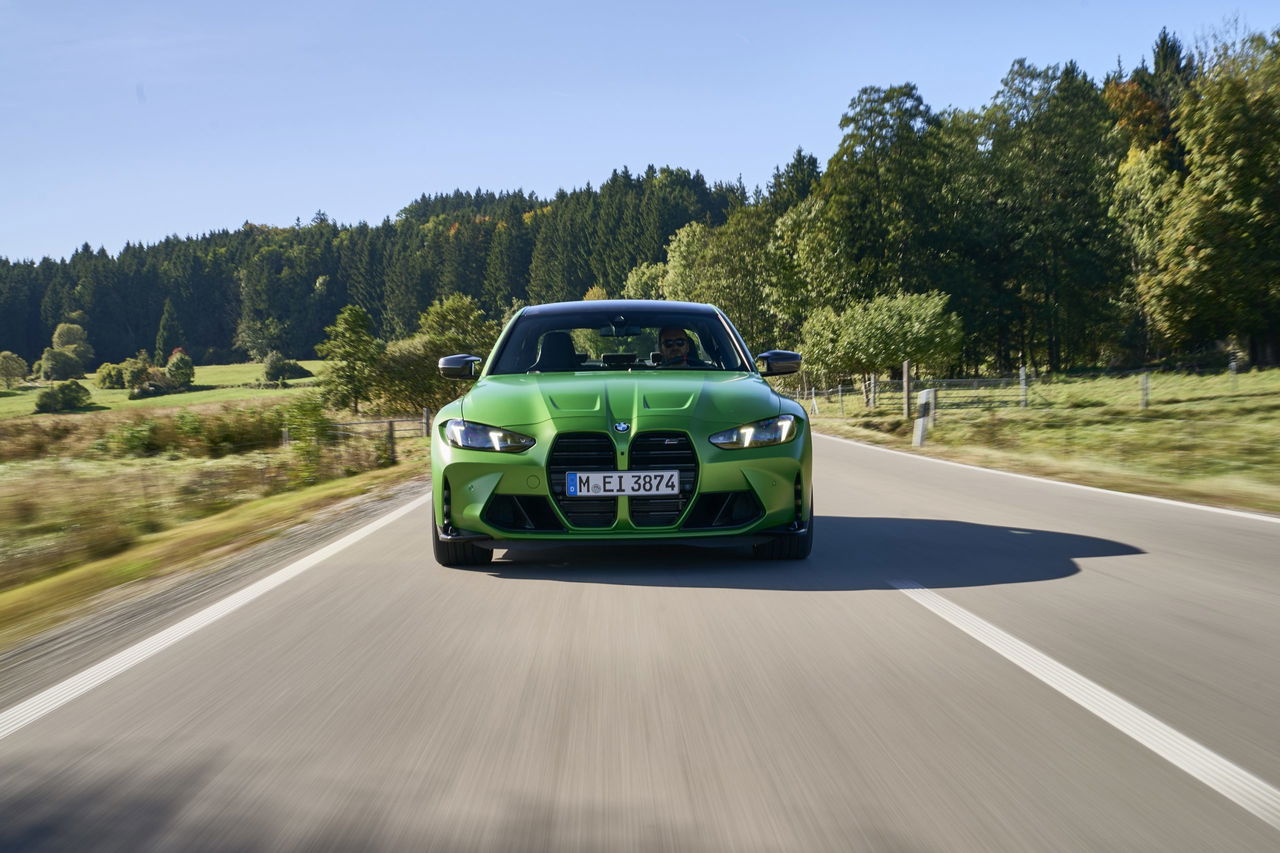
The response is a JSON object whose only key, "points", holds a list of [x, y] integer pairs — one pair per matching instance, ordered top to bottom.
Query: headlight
{"points": [[763, 433], [473, 436]]}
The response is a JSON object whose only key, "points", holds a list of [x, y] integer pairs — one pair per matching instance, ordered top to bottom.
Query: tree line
{"points": [[1068, 223], [257, 289]]}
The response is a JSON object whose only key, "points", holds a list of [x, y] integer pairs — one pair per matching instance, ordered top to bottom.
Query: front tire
{"points": [[788, 547], [457, 554]]}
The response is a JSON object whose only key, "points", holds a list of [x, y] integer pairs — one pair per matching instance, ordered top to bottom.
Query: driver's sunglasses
{"points": [[675, 342]]}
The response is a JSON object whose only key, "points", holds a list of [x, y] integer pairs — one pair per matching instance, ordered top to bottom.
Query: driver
{"points": [[678, 349]]}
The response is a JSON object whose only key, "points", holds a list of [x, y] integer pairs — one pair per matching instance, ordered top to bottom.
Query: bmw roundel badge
{"points": [[621, 426]]}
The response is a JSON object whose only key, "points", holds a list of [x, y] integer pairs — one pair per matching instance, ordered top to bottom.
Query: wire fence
{"points": [[1136, 389], [408, 427], [383, 433]]}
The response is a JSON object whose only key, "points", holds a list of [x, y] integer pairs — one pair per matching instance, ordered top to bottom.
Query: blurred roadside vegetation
{"points": [[79, 488], [188, 545]]}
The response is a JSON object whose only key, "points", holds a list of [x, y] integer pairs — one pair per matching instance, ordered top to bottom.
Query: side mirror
{"points": [[779, 362], [459, 366]]}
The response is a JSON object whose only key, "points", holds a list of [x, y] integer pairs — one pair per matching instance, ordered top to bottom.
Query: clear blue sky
{"points": [[129, 121]]}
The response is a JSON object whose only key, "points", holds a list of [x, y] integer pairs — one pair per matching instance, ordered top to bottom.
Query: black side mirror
{"points": [[779, 362], [460, 366]]}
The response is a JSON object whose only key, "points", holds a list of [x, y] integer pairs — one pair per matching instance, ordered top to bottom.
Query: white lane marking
{"points": [[1254, 516], [60, 694], [1232, 781]]}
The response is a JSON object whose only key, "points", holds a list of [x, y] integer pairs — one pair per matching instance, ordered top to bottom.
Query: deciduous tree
{"points": [[353, 355], [13, 369]]}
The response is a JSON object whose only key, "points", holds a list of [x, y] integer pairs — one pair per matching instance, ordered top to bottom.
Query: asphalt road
{"points": [[968, 661]]}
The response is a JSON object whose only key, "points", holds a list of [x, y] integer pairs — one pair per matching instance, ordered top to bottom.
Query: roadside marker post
{"points": [[928, 414]]}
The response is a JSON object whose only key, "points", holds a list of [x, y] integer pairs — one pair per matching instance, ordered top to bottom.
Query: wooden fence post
{"points": [[1022, 381], [906, 389], [391, 441]]}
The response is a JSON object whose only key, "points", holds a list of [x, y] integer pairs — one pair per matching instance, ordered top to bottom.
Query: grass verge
{"points": [[1216, 455]]}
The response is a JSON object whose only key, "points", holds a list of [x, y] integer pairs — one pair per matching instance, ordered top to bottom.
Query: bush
{"points": [[71, 338], [57, 364], [275, 367], [13, 369], [136, 370], [180, 370], [110, 375], [156, 384], [74, 395], [63, 397], [48, 400], [189, 425], [233, 430], [237, 430], [309, 430], [141, 437]]}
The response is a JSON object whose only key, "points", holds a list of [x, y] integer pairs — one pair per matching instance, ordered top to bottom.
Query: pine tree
{"points": [[169, 336]]}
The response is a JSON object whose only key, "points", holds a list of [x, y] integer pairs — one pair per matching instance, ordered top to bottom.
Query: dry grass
{"points": [[230, 427], [56, 514], [37, 605]]}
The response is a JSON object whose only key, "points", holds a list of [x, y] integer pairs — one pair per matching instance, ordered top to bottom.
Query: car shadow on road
{"points": [[848, 554]]}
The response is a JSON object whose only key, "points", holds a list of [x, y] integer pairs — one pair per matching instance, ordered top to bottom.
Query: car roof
{"points": [[621, 306]]}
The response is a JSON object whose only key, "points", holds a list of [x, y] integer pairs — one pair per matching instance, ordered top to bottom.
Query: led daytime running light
{"points": [[763, 433], [469, 435]]}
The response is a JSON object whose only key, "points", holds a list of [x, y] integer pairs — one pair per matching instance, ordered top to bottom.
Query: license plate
{"points": [[601, 484]]}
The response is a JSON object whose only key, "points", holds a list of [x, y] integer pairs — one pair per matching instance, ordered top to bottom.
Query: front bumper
{"points": [[469, 484]]}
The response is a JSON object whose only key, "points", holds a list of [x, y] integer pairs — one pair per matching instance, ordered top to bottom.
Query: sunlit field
{"points": [[218, 383], [1212, 439]]}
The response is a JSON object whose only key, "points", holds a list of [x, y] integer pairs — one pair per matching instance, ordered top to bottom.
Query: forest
{"points": [[1070, 223]]}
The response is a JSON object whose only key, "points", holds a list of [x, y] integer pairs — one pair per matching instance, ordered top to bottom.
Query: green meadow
{"points": [[217, 383]]}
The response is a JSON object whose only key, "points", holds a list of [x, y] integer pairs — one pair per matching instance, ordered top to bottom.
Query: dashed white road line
{"points": [[1253, 516], [55, 697], [1228, 779]]}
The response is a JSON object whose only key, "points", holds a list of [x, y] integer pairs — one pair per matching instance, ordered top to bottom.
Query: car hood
{"points": [[638, 399]]}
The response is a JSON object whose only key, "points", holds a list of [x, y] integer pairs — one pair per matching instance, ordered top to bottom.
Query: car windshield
{"points": [[587, 340]]}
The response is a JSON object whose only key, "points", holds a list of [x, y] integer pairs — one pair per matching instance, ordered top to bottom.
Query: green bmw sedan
{"points": [[622, 422]]}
